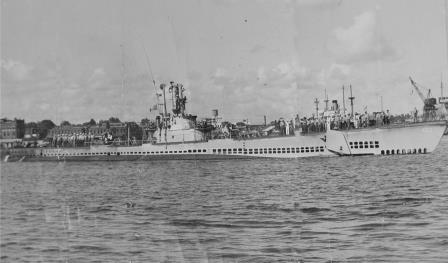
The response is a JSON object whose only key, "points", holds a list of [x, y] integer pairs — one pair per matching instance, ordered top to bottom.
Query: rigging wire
{"points": [[148, 62]]}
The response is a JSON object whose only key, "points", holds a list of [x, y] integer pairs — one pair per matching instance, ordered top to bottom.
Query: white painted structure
{"points": [[404, 139], [275, 147]]}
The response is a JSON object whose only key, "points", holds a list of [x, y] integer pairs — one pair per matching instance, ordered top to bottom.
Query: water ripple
{"points": [[362, 209]]}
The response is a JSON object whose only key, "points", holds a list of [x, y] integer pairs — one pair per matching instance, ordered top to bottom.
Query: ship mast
{"points": [[446, 28], [122, 75], [162, 87], [441, 88], [351, 98], [183, 99], [343, 99], [326, 100], [316, 101], [382, 103], [165, 115]]}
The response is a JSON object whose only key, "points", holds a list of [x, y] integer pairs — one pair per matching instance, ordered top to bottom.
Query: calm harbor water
{"points": [[347, 209]]}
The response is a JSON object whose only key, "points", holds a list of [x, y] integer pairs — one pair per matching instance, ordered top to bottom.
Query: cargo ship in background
{"points": [[332, 132], [421, 134], [413, 138]]}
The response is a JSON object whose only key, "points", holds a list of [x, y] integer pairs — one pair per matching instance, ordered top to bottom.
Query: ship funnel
{"points": [[214, 113]]}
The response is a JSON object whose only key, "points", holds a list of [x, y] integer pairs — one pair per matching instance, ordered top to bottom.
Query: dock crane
{"points": [[429, 104]]}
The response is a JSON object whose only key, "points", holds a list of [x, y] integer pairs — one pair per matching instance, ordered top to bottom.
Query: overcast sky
{"points": [[64, 60]]}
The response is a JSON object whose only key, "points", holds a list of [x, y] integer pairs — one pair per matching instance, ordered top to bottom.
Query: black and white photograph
{"points": [[224, 131]]}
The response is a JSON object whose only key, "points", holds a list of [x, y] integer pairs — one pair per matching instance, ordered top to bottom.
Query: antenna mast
{"points": [[446, 28], [149, 65], [123, 73], [162, 87], [441, 88], [351, 98], [382, 103]]}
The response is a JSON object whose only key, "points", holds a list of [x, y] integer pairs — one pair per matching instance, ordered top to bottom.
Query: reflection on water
{"points": [[386, 208]]}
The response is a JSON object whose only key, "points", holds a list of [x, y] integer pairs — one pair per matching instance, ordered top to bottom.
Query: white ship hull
{"points": [[409, 139], [270, 147]]}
